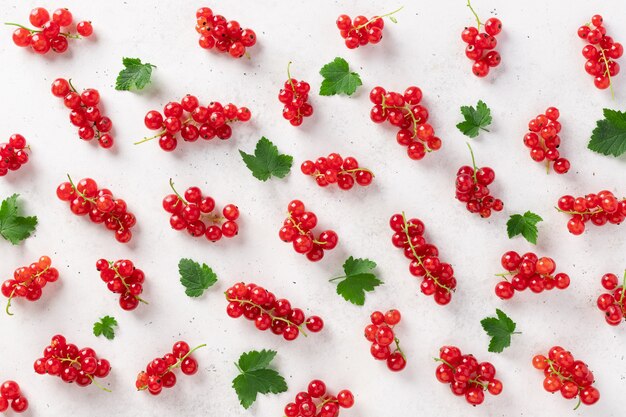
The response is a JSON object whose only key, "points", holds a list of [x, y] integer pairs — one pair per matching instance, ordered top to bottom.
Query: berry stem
{"points": [[379, 17], [478, 22], [67, 35], [607, 72], [293, 87], [72, 88], [406, 107], [473, 162], [83, 196], [182, 200], [215, 218], [299, 229], [418, 258], [32, 278], [125, 284], [621, 299], [8, 307], [273, 317], [398, 348], [182, 359], [76, 362], [564, 378]]}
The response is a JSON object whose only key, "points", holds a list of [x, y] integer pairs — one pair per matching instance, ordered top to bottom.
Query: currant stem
{"points": [[378, 17], [478, 22], [21, 26], [608, 74], [69, 81], [293, 88], [161, 133], [473, 162], [176, 192], [83, 196], [302, 232], [418, 258], [505, 274], [126, 285], [621, 299], [8, 307], [273, 317], [398, 348], [182, 359], [74, 362], [445, 362]]}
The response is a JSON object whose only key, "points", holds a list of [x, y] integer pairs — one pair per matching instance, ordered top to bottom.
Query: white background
{"points": [[542, 66]]}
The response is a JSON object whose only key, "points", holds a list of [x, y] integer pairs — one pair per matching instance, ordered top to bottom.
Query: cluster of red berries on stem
{"points": [[361, 30], [50, 31], [223, 35], [481, 45], [600, 53], [295, 95], [84, 112], [405, 112], [193, 121], [543, 140], [13, 154], [334, 169], [472, 188], [99, 204], [598, 208], [191, 211], [298, 229], [528, 271], [438, 277], [124, 279], [28, 281], [612, 302], [261, 306], [380, 333], [72, 364], [159, 372], [466, 375], [571, 377], [11, 394], [316, 401]]}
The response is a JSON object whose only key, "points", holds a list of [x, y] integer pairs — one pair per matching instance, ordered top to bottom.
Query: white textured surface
{"points": [[542, 66]]}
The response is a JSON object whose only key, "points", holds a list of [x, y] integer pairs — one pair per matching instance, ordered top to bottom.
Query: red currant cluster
{"points": [[361, 30], [49, 34], [224, 35], [481, 45], [600, 53], [295, 95], [405, 112], [85, 113], [200, 122], [543, 140], [13, 154], [334, 169], [472, 189], [86, 199], [598, 208], [190, 212], [297, 229], [530, 272], [438, 276], [124, 279], [28, 281], [256, 303], [613, 303], [381, 334], [72, 364], [159, 372], [466, 375], [569, 376], [10, 393], [327, 404]]}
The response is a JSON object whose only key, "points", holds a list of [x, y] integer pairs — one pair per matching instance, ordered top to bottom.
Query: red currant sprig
{"points": [[362, 31], [49, 34], [225, 36], [481, 45], [600, 53], [295, 95], [85, 113], [543, 140], [13, 154], [334, 169], [472, 188], [598, 208], [191, 211], [528, 271], [123, 278], [28, 281], [256, 303], [613, 303], [381, 333], [72, 364], [159, 372], [466, 376], [571, 377], [11, 394], [316, 401]]}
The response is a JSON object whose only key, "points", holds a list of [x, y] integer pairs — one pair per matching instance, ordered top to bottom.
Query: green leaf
{"points": [[135, 75], [338, 79], [476, 119], [609, 136], [266, 161], [525, 225], [14, 227], [195, 277], [358, 280], [105, 327], [500, 329], [254, 378]]}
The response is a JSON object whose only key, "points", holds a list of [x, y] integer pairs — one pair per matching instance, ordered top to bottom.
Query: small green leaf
{"points": [[393, 19], [135, 75], [338, 79], [476, 119], [609, 136], [266, 161], [525, 225], [14, 227], [195, 278], [358, 280], [105, 327], [500, 329], [255, 378]]}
